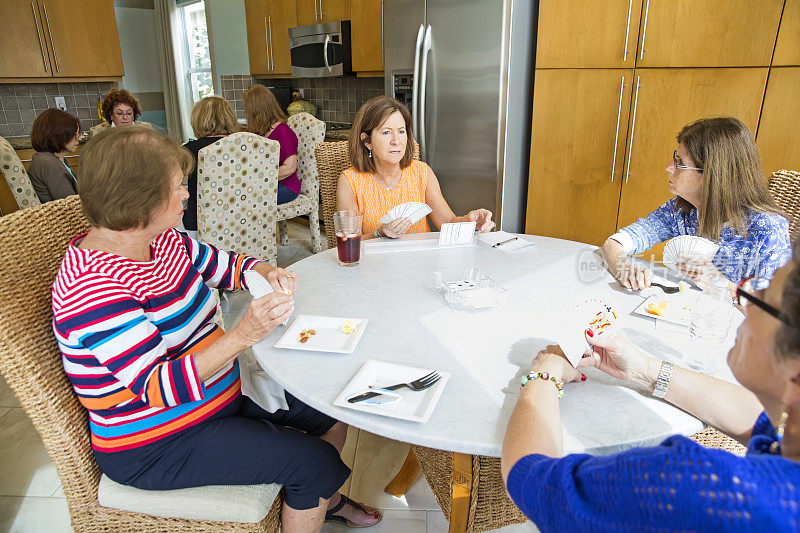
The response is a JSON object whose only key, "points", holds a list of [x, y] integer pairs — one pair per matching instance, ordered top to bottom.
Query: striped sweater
{"points": [[128, 331]]}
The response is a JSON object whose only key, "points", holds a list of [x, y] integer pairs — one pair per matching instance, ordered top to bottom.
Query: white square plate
{"points": [[679, 309], [329, 336], [416, 406]]}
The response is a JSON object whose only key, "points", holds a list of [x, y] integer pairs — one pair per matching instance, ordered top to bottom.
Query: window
{"points": [[197, 58]]}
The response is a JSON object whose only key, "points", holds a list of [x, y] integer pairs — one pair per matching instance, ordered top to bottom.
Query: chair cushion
{"points": [[302, 205], [221, 503]]}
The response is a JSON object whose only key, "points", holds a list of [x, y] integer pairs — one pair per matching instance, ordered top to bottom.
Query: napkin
{"points": [[414, 211], [457, 233], [502, 240], [259, 286], [258, 386]]}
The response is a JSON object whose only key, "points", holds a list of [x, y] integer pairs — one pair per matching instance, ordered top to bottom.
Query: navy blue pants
{"points": [[285, 194], [240, 445]]}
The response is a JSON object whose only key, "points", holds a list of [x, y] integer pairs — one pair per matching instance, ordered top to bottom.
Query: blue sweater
{"points": [[676, 486]]}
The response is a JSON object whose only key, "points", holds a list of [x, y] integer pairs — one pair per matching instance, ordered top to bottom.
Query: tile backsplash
{"points": [[337, 99], [21, 103]]}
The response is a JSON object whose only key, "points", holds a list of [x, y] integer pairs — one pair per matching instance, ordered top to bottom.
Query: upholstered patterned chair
{"points": [[310, 132], [16, 176], [237, 195], [33, 241]]}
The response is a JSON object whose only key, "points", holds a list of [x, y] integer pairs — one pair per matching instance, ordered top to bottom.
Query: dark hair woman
{"points": [[55, 135], [385, 174]]}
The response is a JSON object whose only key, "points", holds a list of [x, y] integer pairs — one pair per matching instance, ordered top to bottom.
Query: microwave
{"points": [[320, 50]]}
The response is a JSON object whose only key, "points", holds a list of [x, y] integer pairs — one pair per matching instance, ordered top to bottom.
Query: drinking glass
{"points": [[347, 225], [708, 330]]}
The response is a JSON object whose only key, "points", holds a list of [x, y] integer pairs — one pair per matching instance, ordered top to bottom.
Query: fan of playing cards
{"points": [[414, 211], [688, 247], [592, 314]]}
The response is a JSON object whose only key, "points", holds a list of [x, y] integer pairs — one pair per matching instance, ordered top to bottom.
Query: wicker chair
{"points": [[310, 133], [332, 160], [16, 176], [784, 186], [237, 195], [33, 241]]}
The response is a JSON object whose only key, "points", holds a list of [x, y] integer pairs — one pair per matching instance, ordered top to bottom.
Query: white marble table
{"points": [[485, 353]]}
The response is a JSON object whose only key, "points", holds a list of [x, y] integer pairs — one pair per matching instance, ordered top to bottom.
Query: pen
{"points": [[505, 241]]}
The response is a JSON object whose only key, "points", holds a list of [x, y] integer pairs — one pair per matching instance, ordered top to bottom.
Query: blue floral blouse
{"points": [[766, 248]]}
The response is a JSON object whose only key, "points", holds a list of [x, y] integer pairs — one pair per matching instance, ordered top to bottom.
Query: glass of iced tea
{"points": [[347, 225]]}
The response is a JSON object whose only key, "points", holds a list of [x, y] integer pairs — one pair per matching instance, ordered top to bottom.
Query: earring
{"points": [[370, 154], [775, 447]]}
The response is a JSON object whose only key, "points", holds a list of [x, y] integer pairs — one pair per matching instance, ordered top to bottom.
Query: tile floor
{"points": [[31, 499]]}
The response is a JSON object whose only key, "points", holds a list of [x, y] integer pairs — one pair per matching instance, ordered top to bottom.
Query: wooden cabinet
{"points": [[319, 11], [268, 23], [366, 31], [708, 33], [580, 34], [60, 38], [23, 48], [787, 48], [666, 101], [779, 130], [579, 131]]}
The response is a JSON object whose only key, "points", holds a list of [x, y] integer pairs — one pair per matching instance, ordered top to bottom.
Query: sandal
{"points": [[330, 515]]}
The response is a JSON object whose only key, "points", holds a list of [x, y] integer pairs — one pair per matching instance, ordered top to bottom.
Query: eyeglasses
{"points": [[123, 113], [681, 166], [744, 298]]}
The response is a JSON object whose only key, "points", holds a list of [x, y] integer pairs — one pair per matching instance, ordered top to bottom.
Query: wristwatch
{"points": [[664, 376]]}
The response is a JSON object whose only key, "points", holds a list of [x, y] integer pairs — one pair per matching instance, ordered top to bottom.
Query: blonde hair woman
{"points": [[212, 118], [266, 118], [385, 174], [720, 194]]}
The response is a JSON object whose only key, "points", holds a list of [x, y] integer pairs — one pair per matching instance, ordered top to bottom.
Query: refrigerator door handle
{"points": [[426, 49], [415, 83]]}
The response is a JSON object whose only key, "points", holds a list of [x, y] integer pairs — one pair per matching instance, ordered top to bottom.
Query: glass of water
{"points": [[708, 329]]}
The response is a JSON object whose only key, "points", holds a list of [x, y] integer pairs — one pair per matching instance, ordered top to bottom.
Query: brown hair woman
{"points": [[119, 108], [266, 118], [55, 135], [385, 174], [720, 194]]}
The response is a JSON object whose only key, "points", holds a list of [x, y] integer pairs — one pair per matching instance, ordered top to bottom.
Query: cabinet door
{"points": [[330, 10], [308, 12], [256, 13], [282, 16], [577, 33], [708, 33], [367, 34], [83, 37], [23, 47], [787, 49], [666, 101], [779, 129], [578, 134]]}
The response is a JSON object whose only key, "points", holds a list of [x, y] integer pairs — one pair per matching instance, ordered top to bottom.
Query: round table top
{"points": [[485, 353]]}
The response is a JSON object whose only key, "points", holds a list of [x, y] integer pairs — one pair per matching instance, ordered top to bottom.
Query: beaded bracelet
{"points": [[545, 376]]}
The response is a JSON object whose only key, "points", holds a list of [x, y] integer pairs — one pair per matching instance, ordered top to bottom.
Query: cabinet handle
{"points": [[316, 13], [321, 14], [644, 29], [627, 31], [50, 33], [39, 35], [266, 41], [271, 57], [633, 126], [616, 134]]}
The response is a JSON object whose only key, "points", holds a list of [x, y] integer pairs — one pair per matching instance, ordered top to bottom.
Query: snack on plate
{"points": [[658, 309], [349, 327], [305, 335]]}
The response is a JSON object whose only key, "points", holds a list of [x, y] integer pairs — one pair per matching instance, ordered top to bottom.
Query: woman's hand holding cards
{"points": [[618, 357]]}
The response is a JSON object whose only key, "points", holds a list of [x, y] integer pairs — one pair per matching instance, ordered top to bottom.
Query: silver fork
{"points": [[417, 385]]}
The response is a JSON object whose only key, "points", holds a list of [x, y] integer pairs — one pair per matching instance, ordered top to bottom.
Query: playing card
{"points": [[414, 211], [258, 285], [589, 313]]}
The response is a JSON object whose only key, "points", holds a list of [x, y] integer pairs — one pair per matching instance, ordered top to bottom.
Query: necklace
{"points": [[384, 186]]}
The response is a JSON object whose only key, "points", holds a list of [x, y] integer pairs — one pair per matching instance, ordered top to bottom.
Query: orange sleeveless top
{"points": [[374, 201]]}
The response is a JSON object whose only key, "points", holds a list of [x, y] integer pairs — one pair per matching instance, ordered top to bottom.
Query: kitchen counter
{"points": [[20, 142]]}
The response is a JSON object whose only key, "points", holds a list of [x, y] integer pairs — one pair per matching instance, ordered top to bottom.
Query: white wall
{"points": [[228, 36], [137, 38]]}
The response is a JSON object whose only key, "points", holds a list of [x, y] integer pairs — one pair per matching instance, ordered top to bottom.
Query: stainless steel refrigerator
{"points": [[464, 68]]}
